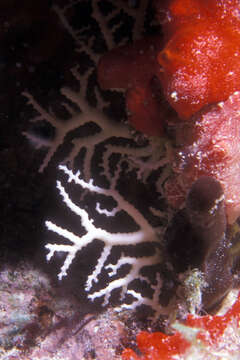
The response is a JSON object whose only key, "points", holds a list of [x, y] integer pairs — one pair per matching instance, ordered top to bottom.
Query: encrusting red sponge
{"points": [[200, 59], [196, 61], [133, 68], [158, 346]]}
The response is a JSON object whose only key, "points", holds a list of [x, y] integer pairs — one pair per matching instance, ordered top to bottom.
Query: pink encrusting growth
{"points": [[210, 146]]}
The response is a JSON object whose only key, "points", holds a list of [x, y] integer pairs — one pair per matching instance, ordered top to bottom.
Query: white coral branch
{"points": [[103, 22], [107, 131], [112, 138], [140, 220], [145, 233], [123, 283], [140, 300]]}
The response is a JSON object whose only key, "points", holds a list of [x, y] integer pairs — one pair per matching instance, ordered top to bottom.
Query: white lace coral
{"points": [[87, 114], [119, 153], [146, 233]]}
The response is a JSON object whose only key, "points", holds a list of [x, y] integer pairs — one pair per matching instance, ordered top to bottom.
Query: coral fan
{"points": [[110, 165], [145, 234]]}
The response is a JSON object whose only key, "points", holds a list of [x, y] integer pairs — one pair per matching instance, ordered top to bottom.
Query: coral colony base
{"points": [[192, 162]]}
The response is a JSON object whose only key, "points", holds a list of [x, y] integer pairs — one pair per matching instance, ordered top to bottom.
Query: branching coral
{"points": [[76, 103], [105, 129], [112, 163], [145, 233]]}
